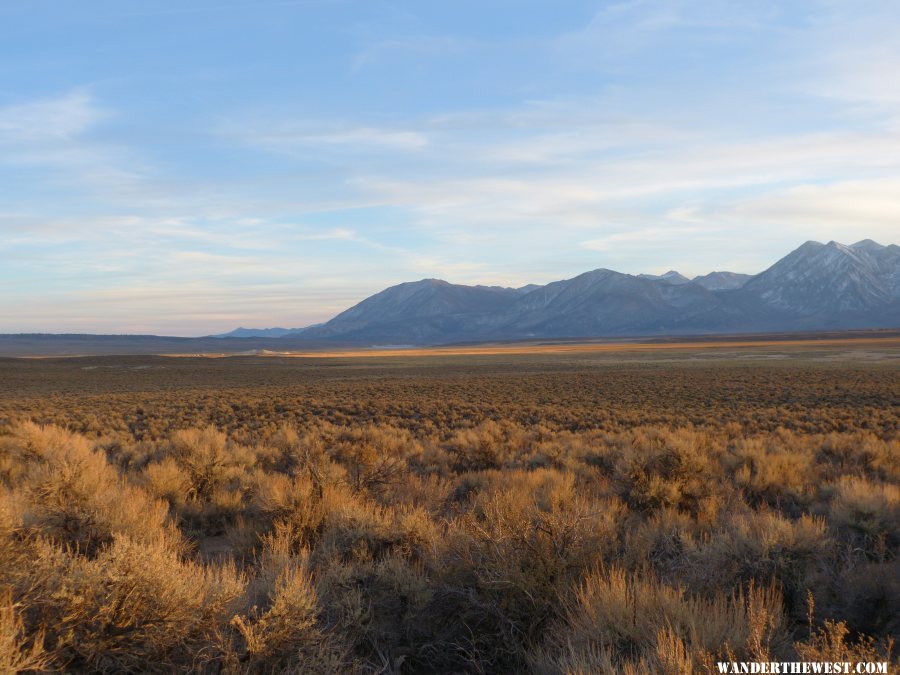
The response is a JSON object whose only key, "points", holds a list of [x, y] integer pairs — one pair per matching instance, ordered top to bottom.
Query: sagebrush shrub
{"points": [[405, 525]]}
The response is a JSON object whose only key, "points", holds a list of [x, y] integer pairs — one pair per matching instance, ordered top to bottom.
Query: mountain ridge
{"points": [[815, 287]]}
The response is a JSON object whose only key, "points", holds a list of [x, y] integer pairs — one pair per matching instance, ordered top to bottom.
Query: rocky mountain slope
{"points": [[817, 286]]}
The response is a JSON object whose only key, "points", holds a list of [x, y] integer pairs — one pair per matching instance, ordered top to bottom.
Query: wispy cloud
{"points": [[620, 33], [377, 51], [850, 54], [49, 120], [288, 137], [51, 138], [406, 140], [368, 146], [861, 208], [640, 237]]}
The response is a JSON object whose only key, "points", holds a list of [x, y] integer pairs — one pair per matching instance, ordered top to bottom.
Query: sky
{"points": [[184, 167]]}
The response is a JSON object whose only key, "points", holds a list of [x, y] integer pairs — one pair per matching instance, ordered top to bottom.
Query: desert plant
{"points": [[634, 619], [18, 652]]}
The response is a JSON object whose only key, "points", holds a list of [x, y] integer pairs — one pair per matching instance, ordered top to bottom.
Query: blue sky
{"points": [[187, 166]]}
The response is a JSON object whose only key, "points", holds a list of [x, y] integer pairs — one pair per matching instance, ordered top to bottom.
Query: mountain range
{"points": [[816, 287]]}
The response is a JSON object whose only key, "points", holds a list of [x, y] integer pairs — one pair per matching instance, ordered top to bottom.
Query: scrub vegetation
{"points": [[501, 514]]}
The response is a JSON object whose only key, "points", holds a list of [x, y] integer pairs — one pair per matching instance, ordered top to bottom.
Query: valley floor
{"points": [[549, 509]]}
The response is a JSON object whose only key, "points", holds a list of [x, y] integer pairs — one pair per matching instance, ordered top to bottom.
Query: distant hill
{"points": [[671, 277], [722, 281], [419, 312], [260, 332], [56, 344]]}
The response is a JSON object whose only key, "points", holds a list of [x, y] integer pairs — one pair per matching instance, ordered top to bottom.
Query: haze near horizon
{"points": [[184, 168]]}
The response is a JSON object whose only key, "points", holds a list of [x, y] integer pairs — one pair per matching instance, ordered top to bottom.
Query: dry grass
{"points": [[459, 532], [619, 621]]}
